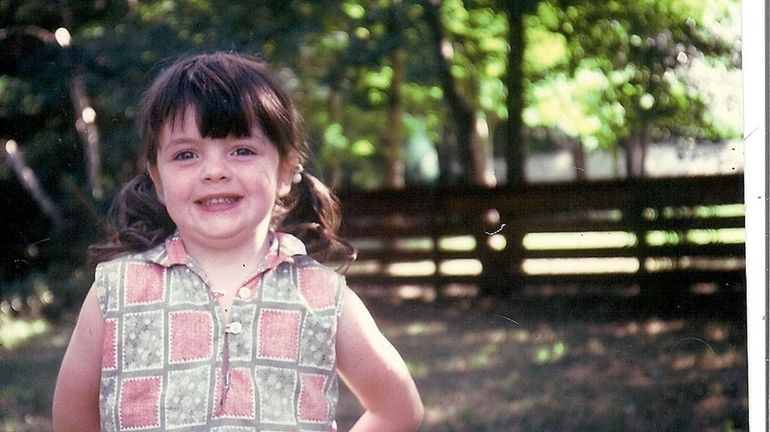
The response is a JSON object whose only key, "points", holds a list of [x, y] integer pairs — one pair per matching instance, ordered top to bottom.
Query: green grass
{"points": [[29, 364]]}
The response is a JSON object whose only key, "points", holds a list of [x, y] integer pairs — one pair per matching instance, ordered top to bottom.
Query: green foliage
{"points": [[645, 50], [480, 53], [595, 71]]}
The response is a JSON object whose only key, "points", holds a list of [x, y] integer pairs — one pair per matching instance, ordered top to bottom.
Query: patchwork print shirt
{"points": [[171, 362]]}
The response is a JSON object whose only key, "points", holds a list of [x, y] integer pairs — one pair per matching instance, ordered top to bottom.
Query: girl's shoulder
{"points": [[294, 253], [160, 254], [306, 263], [134, 278]]}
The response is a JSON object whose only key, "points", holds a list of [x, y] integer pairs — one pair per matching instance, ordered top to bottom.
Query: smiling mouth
{"points": [[217, 201]]}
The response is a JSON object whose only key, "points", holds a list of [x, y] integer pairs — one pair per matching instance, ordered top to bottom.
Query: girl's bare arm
{"points": [[375, 372], [76, 398]]}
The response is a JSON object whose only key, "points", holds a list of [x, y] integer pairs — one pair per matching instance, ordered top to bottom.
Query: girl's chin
{"points": [[222, 233]]}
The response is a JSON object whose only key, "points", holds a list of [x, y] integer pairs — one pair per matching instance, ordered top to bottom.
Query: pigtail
{"points": [[231, 94], [313, 215], [138, 219]]}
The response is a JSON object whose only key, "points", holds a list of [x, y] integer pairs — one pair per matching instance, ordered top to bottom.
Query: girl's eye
{"points": [[243, 151], [184, 155]]}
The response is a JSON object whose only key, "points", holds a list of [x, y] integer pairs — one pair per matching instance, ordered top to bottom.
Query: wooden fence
{"points": [[636, 231]]}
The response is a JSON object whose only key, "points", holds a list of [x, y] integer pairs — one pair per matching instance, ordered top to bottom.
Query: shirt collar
{"points": [[171, 252]]}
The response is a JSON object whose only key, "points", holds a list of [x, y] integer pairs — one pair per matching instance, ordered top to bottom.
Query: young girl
{"points": [[209, 309]]}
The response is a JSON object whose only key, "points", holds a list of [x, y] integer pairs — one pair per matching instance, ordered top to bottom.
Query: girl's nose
{"points": [[215, 169]]}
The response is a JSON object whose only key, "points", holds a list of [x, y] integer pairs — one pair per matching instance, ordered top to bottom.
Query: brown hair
{"points": [[230, 93]]}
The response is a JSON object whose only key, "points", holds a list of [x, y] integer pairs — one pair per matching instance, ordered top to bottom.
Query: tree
{"points": [[468, 39], [642, 47], [371, 77], [515, 145]]}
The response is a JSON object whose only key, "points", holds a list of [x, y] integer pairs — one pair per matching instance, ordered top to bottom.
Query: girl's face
{"points": [[219, 192]]}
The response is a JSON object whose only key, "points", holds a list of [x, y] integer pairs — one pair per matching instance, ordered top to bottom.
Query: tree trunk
{"points": [[333, 106], [84, 112], [462, 112], [85, 122], [89, 135], [644, 144], [631, 145], [516, 146], [636, 153], [578, 158], [616, 160], [394, 165], [29, 181]]}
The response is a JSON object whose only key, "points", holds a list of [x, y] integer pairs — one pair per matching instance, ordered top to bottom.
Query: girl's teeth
{"points": [[216, 201]]}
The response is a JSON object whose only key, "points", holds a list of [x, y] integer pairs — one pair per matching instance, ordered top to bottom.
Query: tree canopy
{"points": [[393, 92]]}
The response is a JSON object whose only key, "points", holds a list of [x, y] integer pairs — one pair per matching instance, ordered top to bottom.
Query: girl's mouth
{"points": [[214, 201]]}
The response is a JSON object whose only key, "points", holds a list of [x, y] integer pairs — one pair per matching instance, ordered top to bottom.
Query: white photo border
{"points": [[756, 144]]}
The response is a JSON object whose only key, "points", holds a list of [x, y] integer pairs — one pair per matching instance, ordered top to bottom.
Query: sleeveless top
{"points": [[171, 362]]}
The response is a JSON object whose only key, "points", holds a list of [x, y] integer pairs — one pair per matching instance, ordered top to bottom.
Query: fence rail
{"points": [[625, 231]]}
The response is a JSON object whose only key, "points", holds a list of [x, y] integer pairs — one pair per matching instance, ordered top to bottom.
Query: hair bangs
{"points": [[230, 96], [220, 106]]}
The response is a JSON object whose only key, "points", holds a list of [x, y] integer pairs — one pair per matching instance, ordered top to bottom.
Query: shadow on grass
{"points": [[559, 361], [573, 362]]}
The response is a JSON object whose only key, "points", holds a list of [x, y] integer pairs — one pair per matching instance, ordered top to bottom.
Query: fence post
{"points": [[640, 231], [500, 268]]}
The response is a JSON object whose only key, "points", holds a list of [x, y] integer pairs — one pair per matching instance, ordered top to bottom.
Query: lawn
{"points": [[544, 360], [573, 360]]}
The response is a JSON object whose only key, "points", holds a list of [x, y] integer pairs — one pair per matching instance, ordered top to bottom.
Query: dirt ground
{"points": [[570, 360], [541, 361]]}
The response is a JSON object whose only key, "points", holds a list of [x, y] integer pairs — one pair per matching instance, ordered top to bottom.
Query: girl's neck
{"points": [[233, 261], [229, 266]]}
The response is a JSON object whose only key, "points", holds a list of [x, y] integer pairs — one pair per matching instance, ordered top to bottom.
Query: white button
{"points": [[244, 293], [234, 327]]}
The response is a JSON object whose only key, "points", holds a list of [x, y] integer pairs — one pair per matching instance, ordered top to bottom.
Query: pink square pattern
{"points": [[176, 252], [144, 283], [318, 286], [279, 334], [191, 335], [110, 345], [239, 401], [140, 403], [313, 406]]}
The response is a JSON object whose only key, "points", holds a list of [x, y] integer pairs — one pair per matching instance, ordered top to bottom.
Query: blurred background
{"points": [[546, 194]]}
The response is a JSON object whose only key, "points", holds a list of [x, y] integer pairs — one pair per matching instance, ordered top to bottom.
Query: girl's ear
{"points": [[286, 171], [155, 177]]}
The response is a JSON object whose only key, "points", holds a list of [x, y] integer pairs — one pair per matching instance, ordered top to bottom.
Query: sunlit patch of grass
{"points": [[718, 211], [726, 235], [697, 236], [578, 240], [417, 243], [457, 243], [688, 262], [580, 265], [364, 267], [459, 267], [417, 268], [423, 328], [15, 331], [550, 353], [483, 357], [729, 359], [418, 369], [469, 416], [28, 423], [730, 427]]}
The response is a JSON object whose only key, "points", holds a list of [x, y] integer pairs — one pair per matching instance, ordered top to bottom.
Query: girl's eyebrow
{"points": [[182, 140]]}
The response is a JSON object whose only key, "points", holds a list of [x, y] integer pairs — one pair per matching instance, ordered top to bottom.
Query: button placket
{"points": [[244, 293], [234, 327]]}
